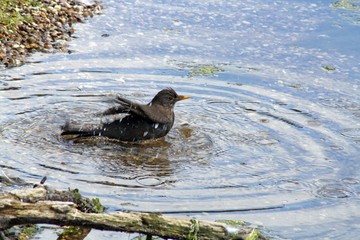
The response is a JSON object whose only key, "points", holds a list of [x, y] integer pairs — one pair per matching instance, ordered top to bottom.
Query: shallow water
{"points": [[270, 135]]}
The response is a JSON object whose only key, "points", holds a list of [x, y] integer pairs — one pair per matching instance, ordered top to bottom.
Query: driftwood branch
{"points": [[43, 205]]}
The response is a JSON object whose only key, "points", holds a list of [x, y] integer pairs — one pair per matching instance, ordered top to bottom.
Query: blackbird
{"points": [[141, 122]]}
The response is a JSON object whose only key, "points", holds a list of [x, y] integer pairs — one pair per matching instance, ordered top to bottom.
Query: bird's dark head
{"points": [[167, 98]]}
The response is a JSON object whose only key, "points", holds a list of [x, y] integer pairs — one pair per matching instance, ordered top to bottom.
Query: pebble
{"points": [[48, 30]]}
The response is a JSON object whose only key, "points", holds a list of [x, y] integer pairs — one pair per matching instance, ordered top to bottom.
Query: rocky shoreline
{"points": [[45, 27]]}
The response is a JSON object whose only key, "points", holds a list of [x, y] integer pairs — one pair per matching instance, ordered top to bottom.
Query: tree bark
{"points": [[43, 205]]}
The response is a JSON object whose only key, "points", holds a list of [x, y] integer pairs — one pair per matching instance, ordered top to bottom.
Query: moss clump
{"points": [[85, 204], [98, 207], [194, 229], [27, 232], [254, 235]]}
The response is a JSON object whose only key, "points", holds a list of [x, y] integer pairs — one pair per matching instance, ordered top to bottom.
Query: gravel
{"points": [[46, 28]]}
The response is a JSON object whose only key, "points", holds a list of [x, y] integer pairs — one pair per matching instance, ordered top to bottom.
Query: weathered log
{"points": [[43, 205]]}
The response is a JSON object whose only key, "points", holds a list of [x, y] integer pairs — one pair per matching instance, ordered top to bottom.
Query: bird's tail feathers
{"points": [[79, 131]]}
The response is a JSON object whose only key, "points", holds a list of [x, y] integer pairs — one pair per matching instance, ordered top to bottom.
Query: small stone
{"points": [[67, 5], [62, 208]]}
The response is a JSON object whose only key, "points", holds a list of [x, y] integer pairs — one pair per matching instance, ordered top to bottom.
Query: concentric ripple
{"points": [[239, 139], [231, 142]]}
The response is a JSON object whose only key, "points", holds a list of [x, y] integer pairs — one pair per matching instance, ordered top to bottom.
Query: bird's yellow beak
{"points": [[182, 97]]}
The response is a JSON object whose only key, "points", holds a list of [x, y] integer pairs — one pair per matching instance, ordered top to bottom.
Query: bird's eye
{"points": [[170, 98]]}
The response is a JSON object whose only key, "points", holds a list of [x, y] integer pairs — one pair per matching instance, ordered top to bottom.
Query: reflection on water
{"points": [[265, 126]]}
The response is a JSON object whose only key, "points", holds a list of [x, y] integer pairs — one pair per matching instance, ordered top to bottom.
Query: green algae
{"points": [[347, 4], [328, 68], [204, 70]]}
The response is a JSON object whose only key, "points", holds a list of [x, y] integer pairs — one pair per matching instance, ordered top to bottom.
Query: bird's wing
{"points": [[125, 106], [114, 110], [141, 110]]}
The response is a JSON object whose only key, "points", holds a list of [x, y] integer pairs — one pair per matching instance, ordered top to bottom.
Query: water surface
{"points": [[270, 135]]}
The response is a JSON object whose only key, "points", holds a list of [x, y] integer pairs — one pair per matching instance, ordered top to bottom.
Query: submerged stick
{"points": [[44, 205]]}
